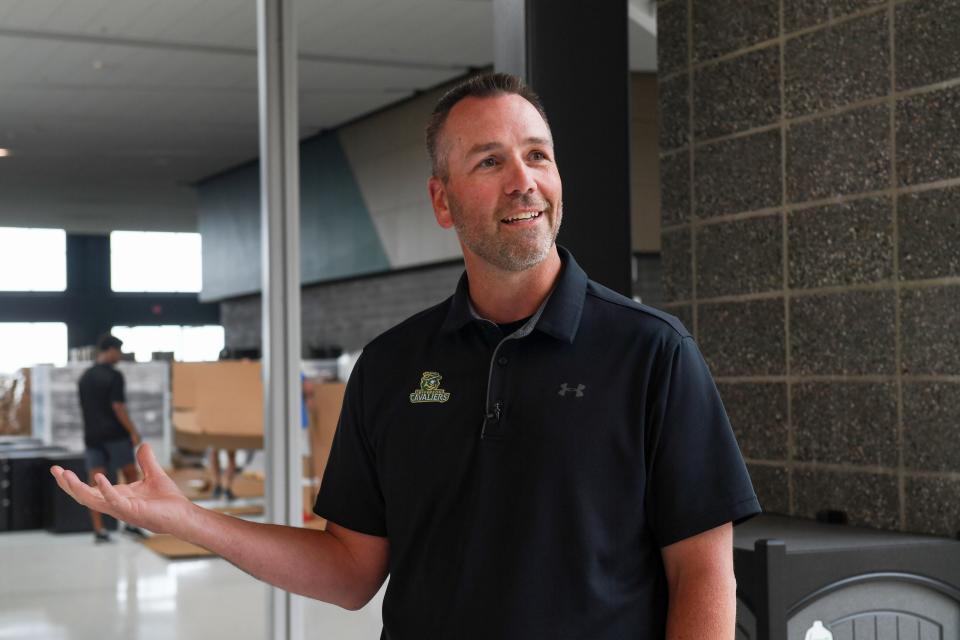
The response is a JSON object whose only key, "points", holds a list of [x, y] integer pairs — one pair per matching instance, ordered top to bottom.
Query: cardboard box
{"points": [[183, 384], [327, 400], [217, 404], [15, 417], [22, 418], [310, 488], [174, 548]]}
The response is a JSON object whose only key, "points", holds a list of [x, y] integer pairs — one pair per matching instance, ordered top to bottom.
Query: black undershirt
{"points": [[509, 327]]}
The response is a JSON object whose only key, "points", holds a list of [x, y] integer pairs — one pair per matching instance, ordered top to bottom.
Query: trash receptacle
{"points": [[858, 583]]}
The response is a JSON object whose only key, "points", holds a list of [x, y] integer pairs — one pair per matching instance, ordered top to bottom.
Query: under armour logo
{"points": [[577, 390]]}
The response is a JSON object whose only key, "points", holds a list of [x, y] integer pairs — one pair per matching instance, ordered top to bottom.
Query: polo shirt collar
{"points": [[559, 316]]}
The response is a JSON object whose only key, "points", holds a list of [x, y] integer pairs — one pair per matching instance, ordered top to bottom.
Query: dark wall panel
{"points": [[229, 222], [337, 236]]}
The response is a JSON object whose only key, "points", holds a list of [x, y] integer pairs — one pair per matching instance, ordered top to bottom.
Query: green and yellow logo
{"points": [[430, 390]]}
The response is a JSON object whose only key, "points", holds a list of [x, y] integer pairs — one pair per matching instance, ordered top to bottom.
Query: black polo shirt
{"points": [[99, 387], [527, 482]]}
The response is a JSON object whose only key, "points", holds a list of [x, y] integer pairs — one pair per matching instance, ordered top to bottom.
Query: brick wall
{"points": [[810, 170], [348, 313]]}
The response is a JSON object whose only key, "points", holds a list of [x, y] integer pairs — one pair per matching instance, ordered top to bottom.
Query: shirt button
{"points": [[502, 361]]}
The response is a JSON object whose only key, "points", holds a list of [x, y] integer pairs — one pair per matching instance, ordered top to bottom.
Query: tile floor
{"points": [[63, 587]]}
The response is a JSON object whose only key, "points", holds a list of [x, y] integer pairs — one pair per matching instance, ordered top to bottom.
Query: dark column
{"points": [[574, 55], [88, 263], [88, 288]]}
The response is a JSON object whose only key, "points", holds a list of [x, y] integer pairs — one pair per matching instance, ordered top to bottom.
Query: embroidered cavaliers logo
{"points": [[430, 390]]}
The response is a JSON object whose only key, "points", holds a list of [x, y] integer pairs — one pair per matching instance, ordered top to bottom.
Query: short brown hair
{"points": [[486, 85], [107, 342]]}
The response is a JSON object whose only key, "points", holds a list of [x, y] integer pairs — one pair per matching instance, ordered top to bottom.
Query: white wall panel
{"points": [[389, 161]]}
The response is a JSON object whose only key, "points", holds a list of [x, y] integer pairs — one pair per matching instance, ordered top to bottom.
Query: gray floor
{"points": [[59, 587]]}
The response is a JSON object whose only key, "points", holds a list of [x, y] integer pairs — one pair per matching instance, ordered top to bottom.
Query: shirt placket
{"points": [[495, 409]]}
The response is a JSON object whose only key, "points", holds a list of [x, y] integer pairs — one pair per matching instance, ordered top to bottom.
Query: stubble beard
{"points": [[524, 250]]}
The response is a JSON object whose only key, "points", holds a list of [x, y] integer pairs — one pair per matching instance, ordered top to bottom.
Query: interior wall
{"points": [[388, 159], [388, 163], [811, 189], [364, 206], [337, 236], [348, 313]]}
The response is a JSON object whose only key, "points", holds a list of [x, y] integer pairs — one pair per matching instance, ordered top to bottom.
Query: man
{"points": [[108, 433], [535, 457]]}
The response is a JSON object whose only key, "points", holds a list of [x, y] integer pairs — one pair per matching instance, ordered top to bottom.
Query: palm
{"points": [[154, 503]]}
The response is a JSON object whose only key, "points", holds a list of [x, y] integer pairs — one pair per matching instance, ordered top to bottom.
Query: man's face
{"points": [[502, 193]]}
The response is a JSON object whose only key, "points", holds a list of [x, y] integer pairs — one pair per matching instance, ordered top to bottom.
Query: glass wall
{"points": [[33, 259], [155, 261], [25, 344], [188, 344]]}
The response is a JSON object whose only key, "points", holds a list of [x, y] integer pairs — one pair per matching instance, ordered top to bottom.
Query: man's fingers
{"points": [[148, 462], [57, 472], [80, 490], [84, 494], [110, 494]]}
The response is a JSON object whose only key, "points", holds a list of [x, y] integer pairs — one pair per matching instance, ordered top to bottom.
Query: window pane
{"points": [[33, 259], [153, 261], [25, 344], [188, 344]]}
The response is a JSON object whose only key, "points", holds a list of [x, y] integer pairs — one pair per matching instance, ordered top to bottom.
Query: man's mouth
{"points": [[522, 216]]}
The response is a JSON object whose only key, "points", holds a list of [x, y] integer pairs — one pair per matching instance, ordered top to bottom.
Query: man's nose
{"points": [[520, 179]]}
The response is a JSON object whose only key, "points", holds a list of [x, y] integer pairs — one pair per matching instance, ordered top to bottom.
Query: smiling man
{"points": [[535, 457]]}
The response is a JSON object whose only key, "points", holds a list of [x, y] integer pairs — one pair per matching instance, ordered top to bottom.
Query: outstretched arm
{"points": [[338, 565], [703, 589]]}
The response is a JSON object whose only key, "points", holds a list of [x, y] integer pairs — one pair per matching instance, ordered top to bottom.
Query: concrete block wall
{"points": [[810, 174], [348, 313]]}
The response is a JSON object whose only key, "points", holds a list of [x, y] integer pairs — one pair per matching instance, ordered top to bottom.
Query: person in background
{"points": [[109, 434], [223, 478]]}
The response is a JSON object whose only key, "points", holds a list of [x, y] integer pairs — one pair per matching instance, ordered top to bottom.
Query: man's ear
{"points": [[438, 198]]}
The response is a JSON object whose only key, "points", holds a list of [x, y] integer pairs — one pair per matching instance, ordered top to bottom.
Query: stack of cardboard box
{"points": [[325, 400], [217, 404], [15, 415]]}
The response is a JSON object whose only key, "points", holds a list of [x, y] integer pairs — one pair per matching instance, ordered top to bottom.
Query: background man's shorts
{"points": [[113, 454]]}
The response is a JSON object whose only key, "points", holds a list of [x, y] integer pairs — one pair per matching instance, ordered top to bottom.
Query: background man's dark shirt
{"points": [[100, 386]]}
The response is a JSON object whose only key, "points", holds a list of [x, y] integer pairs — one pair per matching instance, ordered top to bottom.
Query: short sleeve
{"points": [[118, 388], [696, 476], [350, 493]]}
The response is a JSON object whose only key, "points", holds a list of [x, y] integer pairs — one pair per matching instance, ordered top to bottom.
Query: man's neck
{"points": [[507, 296]]}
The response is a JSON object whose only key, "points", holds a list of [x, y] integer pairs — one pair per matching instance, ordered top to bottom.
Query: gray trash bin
{"points": [[862, 584]]}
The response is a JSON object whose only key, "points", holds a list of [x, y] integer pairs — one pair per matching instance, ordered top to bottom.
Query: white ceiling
{"points": [[112, 108]]}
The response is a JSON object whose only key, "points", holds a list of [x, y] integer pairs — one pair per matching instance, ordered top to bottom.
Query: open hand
{"points": [[154, 503]]}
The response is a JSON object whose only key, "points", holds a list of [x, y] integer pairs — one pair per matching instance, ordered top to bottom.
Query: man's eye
{"points": [[538, 155], [488, 162]]}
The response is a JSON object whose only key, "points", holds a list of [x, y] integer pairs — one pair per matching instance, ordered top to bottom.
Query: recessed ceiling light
{"points": [[4, 153]]}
